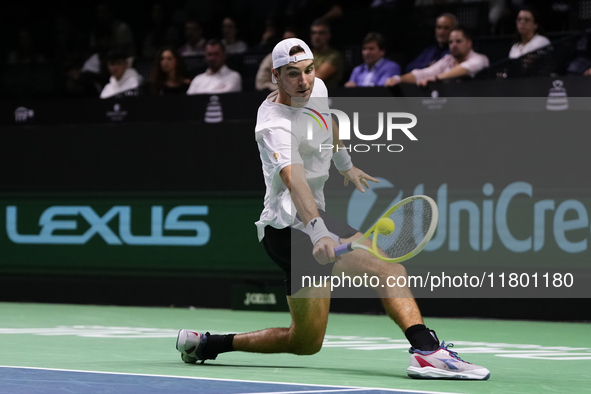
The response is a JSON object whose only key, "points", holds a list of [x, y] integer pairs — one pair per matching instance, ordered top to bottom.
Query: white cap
{"points": [[281, 53]]}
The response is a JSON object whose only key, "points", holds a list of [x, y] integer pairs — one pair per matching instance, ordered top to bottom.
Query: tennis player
{"points": [[295, 173]]}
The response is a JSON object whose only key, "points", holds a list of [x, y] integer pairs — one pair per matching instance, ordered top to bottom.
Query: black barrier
{"points": [[240, 106], [164, 143], [131, 157]]}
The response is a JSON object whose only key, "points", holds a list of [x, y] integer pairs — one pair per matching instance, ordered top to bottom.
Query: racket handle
{"points": [[342, 249]]}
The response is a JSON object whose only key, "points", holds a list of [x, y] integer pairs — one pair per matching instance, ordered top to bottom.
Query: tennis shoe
{"points": [[191, 345], [443, 364]]}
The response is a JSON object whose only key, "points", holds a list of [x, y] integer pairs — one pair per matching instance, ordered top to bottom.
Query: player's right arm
{"points": [[294, 177]]}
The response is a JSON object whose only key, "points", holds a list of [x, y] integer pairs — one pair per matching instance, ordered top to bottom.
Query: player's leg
{"points": [[398, 300], [309, 310], [309, 313], [303, 337], [429, 359]]}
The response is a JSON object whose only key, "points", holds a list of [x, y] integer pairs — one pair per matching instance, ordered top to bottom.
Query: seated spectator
{"points": [[303, 13], [444, 24], [161, 33], [230, 33], [122, 36], [270, 36], [528, 37], [67, 45], [195, 45], [26, 51], [461, 61], [328, 62], [581, 64], [375, 68], [168, 74], [123, 78], [218, 78], [263, 78], [89, 80]]}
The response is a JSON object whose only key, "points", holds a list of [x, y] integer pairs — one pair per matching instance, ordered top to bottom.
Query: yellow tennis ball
{"points": [[385, 226]]}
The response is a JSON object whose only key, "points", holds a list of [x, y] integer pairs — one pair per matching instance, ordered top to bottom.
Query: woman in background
{"points": [[230, 33], [528, 34], [168, 74]]}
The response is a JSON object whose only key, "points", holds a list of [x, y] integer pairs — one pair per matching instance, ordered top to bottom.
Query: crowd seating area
{"points": [[407, 27]]}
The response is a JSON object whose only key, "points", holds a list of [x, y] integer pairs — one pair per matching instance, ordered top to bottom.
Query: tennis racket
{"points": [[415, 220]]}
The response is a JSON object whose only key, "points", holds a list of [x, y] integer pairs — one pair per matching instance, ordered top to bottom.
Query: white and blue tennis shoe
{"points": [[191, 345], [443, 364]]}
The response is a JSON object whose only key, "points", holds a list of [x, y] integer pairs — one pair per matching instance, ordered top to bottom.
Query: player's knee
{"points": [[307, 346]]}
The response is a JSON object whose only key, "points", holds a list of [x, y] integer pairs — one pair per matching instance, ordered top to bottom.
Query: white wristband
{"points": [[396, 77], [342, 160], [316, 229]]}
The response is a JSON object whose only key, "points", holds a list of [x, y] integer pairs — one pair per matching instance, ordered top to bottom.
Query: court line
{"points": [[231, 380], [314, 391]]}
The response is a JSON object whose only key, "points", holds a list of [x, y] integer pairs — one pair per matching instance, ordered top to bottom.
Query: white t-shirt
{"points": [[537, 42], [473, 63], [92, 64], [130, 80], [223, 81], [282, 136]]}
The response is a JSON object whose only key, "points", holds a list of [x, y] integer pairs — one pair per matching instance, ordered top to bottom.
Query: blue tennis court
{"points": [[15, 380]]}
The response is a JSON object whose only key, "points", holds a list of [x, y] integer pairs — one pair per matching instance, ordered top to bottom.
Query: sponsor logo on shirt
{"points": [[315, 118]]}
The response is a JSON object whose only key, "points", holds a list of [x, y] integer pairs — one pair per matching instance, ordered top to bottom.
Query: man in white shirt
{"points": [[461, 61], [218, 78], [124, 80], [295, 170]]}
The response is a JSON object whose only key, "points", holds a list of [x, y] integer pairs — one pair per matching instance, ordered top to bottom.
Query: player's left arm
{"points": [[342, 162]]}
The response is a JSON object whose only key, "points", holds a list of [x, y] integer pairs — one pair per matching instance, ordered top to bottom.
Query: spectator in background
{"points": [[303, 13], [444, 24], [161, 33], [230, 34], [122, 36], [270, 36], [528, 37], [195, 44], [67, 45], [25, 51], [461, 61], [328, 62], [97, 63], [581, 64], [375, 68], [168, 75], [123, 78], [218, 78], [263, 78], [89, 80]]}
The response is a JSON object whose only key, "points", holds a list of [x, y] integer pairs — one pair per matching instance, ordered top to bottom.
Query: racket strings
{"points": [[412, 222]]}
